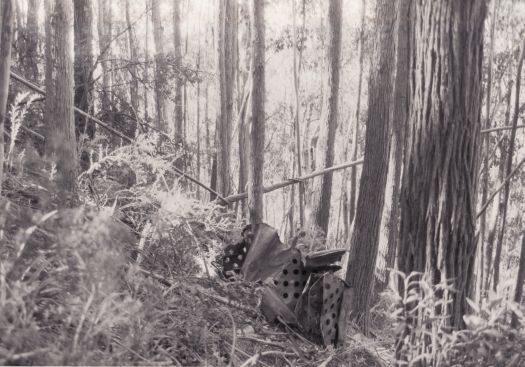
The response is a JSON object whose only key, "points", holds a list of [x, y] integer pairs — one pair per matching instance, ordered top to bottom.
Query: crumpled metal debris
{"points": [[302, 291]]}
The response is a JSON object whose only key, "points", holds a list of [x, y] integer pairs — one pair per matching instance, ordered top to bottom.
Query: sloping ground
{"points": [[115, 285]]}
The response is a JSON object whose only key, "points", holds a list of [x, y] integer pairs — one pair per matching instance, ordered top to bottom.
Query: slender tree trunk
{"points": [[6, 35], [104, 41], [133, 54], [31, 56], [146, 63], [198, 66], [160, 67], [225, 70], [178, 71], [258, 93], [58, 111], [244, 120], [84, 127], [297, 128], [355, 140], [486, 148], [441, 165], [508, 170], [321, 202], [390, 218], [493, 235], [364, 242], [520, 279]]}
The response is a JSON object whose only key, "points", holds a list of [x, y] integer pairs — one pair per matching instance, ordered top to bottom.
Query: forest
{"points": [[262, 183]]}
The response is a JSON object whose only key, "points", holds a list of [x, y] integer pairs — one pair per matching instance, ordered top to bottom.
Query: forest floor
{"points": [[115, 280]]}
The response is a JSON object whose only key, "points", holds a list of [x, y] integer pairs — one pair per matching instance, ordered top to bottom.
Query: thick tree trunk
{"points": [[6, 27], [227, 38], [160, 67], [178, 71], [258, 92], [58, 111], [84, 127], [508, 170], [439, 185], [322, 191], [390, 218], [365, 237]]}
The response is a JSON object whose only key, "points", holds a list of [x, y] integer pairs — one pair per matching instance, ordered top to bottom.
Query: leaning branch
{"points": [[37, 89], [486, 131], [292, 181], [500, 187]]}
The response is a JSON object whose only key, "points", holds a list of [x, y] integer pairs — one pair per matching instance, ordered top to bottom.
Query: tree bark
{"points": [[83, 20], [104, 27], [6, 36], [31, 44], [133, 55], [160, 67], [178, 71], [225, 71], [258, 92], [58, 110], [244, 120], [297, 128], [355, 140], [441, 165], [486, 168], [508, 170], [322, 191], [390, 218], [493, 235], [364, 242], [520, 279]]}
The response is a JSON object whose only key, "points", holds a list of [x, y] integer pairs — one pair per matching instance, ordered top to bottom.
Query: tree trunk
{"points": [[6, 35], [104, 41], [31, 44], [133, 55], [160, 67], [178, 72], [258, 92], [58, 110], [244, 120], [84, 127], [297, 128], [355, 140], [486, 168], [508, 170], [439, 184], [322, 191], [498, 204], [390, 218], [364, 242], [520, 279]]}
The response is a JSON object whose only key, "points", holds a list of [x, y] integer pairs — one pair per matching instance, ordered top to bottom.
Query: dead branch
{"points": [[295, 180]]}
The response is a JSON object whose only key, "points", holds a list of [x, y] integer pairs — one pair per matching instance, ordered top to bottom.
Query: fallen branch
{"points": [[291, 181]]}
